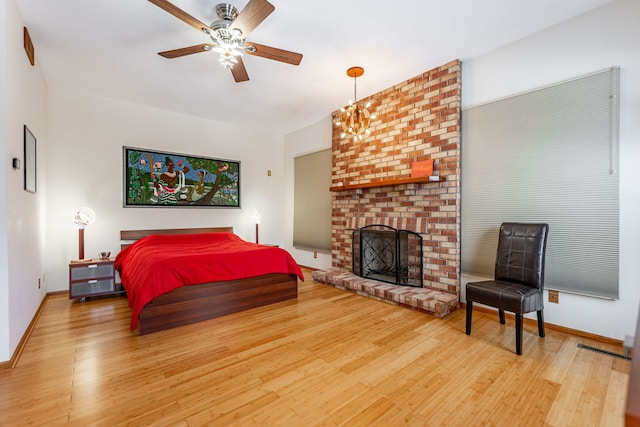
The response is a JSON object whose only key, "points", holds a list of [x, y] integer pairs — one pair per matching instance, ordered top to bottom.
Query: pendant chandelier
{"points": [[355, 119]]}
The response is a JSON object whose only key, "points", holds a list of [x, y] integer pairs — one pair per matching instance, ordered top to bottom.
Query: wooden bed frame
{"points": [[194, 303]]}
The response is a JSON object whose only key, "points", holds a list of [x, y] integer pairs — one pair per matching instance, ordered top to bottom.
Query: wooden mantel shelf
{"points": [[387, 183]]}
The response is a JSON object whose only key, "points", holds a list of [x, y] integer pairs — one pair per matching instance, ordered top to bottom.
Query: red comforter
{"points": [[157, 264]]}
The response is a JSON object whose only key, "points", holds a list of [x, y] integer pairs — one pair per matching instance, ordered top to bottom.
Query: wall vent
{"points": [[599, 350]]}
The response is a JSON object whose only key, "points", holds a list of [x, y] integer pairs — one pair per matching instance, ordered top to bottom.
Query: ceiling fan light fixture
{"points": [[229, 43], [227, 49], [228, 61], [355, 119]]}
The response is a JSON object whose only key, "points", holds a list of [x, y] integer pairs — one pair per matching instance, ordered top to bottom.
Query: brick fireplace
{"points": [[417, 120]]}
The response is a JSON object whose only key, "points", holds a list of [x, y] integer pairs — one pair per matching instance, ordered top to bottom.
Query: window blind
{"points": [[548, 155], [312, 201]]}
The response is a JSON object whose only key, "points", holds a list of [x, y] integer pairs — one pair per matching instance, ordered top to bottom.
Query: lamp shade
{"points": [[84, 217]]}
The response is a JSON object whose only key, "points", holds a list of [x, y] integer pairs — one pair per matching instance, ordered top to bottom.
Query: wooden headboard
{"points": [[128, 236]]}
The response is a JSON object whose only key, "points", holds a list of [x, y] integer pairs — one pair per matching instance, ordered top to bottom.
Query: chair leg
{"points": [[501, 313], [469, 314], [540, 323], [519, 328]]}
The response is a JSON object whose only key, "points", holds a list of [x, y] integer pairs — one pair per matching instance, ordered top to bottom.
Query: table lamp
{"points": [[83, 218]]}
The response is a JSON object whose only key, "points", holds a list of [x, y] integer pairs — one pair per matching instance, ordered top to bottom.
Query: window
{"points": [[548, 155], [312, 202]]}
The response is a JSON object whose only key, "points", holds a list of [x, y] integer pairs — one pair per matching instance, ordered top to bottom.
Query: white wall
{"points": [[603, 38], [23, 98], [86, 136], [311, 139], [5, 353]]}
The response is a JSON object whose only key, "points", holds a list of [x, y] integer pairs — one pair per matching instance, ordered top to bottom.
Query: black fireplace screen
{"points": [[383, 253]]}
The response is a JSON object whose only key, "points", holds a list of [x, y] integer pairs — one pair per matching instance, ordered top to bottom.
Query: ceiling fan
{"points": [[228, 35]]}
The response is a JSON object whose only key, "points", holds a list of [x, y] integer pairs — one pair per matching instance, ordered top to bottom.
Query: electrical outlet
{"points": [[554, 296]]}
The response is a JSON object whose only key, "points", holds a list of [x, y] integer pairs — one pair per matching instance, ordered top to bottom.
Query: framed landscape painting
{"points": [[156, 178]]}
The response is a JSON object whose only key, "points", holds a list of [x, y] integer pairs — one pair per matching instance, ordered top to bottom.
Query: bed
{"points": [[165, 290]]}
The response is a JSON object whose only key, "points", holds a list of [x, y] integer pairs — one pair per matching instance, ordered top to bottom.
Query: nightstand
{"points": [[92, 277]]}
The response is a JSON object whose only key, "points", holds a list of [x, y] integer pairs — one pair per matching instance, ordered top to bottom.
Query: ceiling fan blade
{"points": [[180, 14], [252, 15], [186, 51], [275, 53], [239, 71]]}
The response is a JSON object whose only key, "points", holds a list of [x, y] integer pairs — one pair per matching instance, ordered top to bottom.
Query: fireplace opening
{"points": [[383, 253]]}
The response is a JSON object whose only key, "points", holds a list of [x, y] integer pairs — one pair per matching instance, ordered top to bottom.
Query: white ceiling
{"points": [[109, 48]]}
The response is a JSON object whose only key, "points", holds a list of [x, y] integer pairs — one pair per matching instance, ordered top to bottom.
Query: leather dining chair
{"points": [[519, 277]]}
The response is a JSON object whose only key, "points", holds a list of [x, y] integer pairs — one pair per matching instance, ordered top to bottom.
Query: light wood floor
{"points": [[328, 359]]}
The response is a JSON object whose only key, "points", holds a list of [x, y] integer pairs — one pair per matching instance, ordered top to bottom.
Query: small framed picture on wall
{"points": [[29, 161]]}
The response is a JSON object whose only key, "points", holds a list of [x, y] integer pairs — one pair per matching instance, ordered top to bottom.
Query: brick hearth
{"points": [[417, 120], [424, 299]]}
